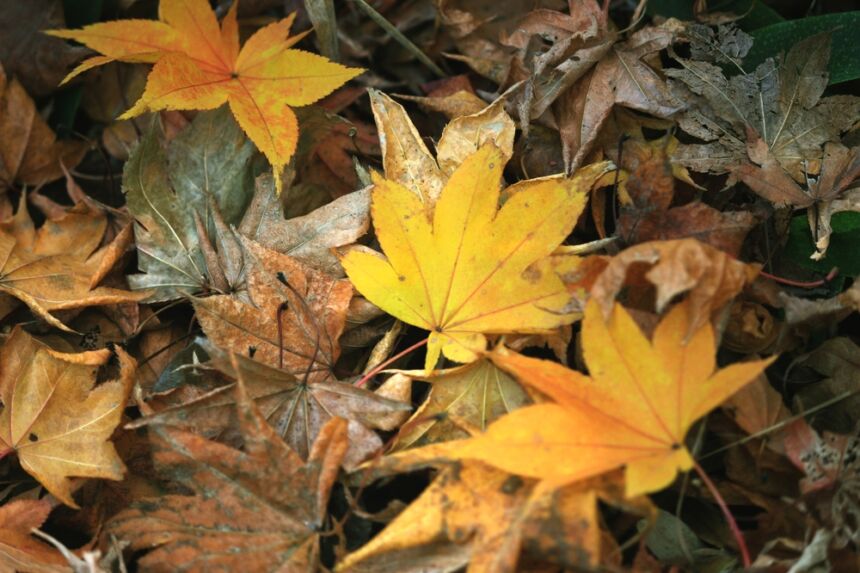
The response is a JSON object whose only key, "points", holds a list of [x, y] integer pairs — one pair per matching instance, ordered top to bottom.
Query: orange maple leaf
{"points": [[198, 65]]}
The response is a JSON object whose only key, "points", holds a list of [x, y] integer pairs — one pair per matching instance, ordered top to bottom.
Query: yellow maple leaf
{"points": [[198, 65], [465, 267], [634, 409], [53, 418]]}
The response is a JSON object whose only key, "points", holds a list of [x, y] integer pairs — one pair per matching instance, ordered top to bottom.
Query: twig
{"points": [[379, 368]]}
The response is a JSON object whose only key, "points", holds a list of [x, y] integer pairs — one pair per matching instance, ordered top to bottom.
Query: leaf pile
{"points": [[489, 287]]}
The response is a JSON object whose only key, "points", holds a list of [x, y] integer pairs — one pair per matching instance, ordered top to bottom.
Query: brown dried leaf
{"points": [[29, 153], [57, 266], [711, 277], [53, 418], [254, 510], [19, 550]]}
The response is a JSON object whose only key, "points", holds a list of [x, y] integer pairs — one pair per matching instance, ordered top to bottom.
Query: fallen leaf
{"points": [[37, 60], [198, 65], [622, 77], [779, 102], [30, 152], [208, 164], [831, 193], [649, 216], [309, 238], [59, 265], [472, 268], [711, 277], [293, 325], [837, 364], [473, 396], [757, 407], [627, 413], [53, 419], [253, 510], [476, 515], [19, 550]]}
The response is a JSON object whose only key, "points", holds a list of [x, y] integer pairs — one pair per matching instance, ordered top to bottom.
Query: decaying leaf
{"points": [[198, 65], [780, 102], [30, 152], [204, 174], [309, 238], [59, 265], [472, 268], [711, 277], [292, 319], [296, 408], [633, 411], [53, 418], [253, 510], [475, 515], [19, 550]]}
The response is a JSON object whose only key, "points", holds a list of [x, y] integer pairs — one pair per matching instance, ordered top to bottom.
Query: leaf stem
{"points": [[834, 272], [380, 367], [730, 519]]}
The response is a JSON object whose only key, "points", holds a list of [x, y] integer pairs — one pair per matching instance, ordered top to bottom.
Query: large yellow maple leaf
{"points": [[198, 65], [465, 267], [633, 410]]}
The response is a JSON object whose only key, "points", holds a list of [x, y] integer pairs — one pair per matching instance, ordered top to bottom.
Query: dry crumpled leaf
{"points": [[37, 60], [625, 76], [780, 102], [29, 152], [407, 160], [205, 173], [834, 191], [650, 216], [309, 238], [58, 265], [472, 268], [711, 277], [301, 336], [837, 361], [469, 396], [757, 407], [296, 408], [634, 409], [52, 417], [830, 462], [260, 509], [473, 514], [19, 550]]}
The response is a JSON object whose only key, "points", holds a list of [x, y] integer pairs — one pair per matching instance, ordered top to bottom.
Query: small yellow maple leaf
{"points": [[198, 65], [465, 267], [633, 410], [53, 418]]}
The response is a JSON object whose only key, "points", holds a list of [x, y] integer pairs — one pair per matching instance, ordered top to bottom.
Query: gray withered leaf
{"points": [[780, 101], [197, 186], [309, 238]]}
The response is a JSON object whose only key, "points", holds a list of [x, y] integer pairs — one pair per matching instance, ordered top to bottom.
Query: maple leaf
{"points": [[198, 65], [780, 102], [30, 153], [203, 176], [832, 192], [649, 215], [309, 238], [59, 265], [473, 268], [709, 276], [296, 329], [470, 396], [296, 408], [633, 411], [53, 418], [260, 509], [473, 514], [19, 550]]}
